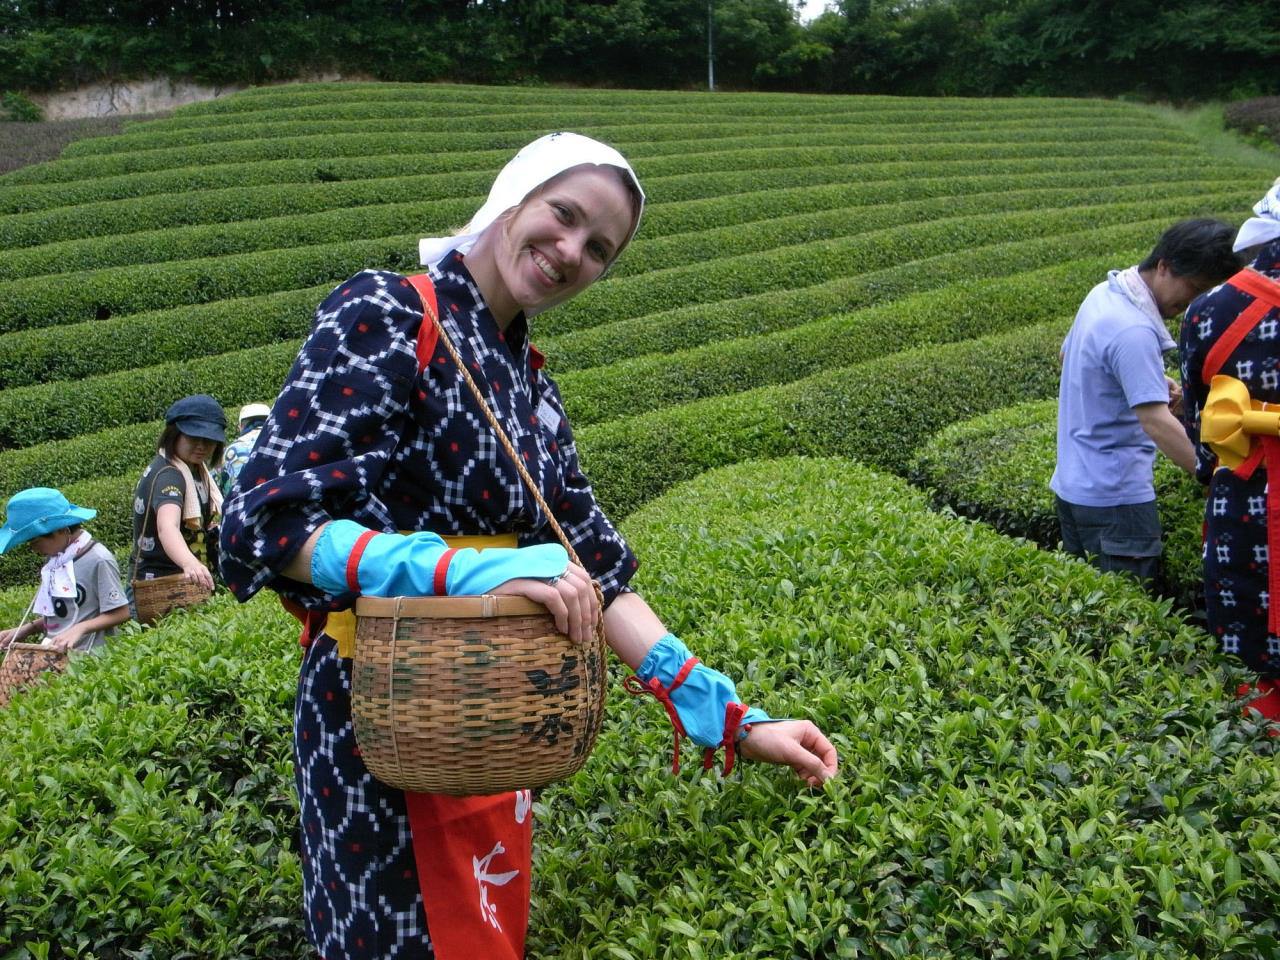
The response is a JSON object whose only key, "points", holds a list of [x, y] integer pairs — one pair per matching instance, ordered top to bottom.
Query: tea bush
{"points": [[997, 467], [1036, 760]]}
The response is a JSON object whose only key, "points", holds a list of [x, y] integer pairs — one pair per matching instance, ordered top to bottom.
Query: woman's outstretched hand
{"points": [[571, 600], [797, 743]]}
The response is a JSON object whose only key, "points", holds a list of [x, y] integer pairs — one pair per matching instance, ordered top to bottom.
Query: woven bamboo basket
{"points": [[156, 597], [24, 663], [472, 695]]}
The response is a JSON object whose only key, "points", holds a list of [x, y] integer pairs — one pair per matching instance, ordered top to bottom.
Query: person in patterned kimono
{"points": [[1231, 366], [374, 433]]}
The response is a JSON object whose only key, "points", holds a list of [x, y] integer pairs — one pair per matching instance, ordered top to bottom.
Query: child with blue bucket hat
{"points": [[80, 600]]}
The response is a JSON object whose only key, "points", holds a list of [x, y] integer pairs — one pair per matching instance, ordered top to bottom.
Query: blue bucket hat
{"points": [[199, 415], [36, 511]]}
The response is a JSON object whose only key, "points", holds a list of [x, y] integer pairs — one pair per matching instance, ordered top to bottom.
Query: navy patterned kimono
{"points": [[359, 432], [1236, 561]]}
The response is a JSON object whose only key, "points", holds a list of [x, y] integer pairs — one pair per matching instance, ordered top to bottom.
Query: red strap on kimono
{"points": [[1266, 294], [427, 333], [1266, 451], [312, 621], [638, 688], [474, 856]]}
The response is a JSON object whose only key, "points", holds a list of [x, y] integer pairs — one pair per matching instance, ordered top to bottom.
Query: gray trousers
{"points": [[1125, 538]]}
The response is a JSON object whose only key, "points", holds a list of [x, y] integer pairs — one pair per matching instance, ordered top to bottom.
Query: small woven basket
{"points": [[156, 597], [24, 663], [472, 695]]}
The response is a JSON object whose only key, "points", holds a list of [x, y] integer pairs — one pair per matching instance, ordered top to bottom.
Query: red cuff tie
{"points": [[638, 688], [733, 714]]}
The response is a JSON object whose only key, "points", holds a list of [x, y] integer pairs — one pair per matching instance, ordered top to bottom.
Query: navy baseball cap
{"points": [[199, 415]]}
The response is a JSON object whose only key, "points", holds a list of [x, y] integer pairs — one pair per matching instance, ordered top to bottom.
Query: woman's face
{"points": [[561, 239], [193, 450]]}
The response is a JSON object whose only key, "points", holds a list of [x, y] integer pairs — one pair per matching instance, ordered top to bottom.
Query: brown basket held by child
{"points": [[23, 664], [473, 695]]}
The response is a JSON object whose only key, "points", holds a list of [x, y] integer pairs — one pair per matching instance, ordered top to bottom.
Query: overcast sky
{"points": [[810, 9]]}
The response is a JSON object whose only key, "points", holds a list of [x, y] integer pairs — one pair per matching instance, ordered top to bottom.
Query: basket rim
{"points": [[481, 605]]}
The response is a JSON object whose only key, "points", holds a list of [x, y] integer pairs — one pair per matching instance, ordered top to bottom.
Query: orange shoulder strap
{"points": [[1266, 294], [427, 333]]}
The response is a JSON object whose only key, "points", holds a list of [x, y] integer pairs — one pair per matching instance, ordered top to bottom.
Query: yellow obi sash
{"points": [[1231, 419], [341, 625]]}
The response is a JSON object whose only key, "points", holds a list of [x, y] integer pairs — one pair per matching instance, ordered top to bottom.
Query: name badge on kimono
{"points": [[548, 417]]}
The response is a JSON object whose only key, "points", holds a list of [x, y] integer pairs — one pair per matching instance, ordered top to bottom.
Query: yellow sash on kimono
{"points": [[1231, 419]]}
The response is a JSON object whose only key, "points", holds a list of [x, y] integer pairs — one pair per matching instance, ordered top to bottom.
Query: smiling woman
{"points": [[382, 427]]}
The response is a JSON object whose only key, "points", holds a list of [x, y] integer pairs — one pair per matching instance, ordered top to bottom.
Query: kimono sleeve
{"points": [[329, 437], [603, 551]]}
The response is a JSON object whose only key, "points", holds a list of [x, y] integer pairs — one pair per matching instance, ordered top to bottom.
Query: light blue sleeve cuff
{"points": [[405, 565], [701, 699]]}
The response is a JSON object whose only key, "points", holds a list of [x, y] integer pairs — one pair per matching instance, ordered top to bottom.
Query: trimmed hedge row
{"points": [[354, 99], [358, 121], [725, 137], [277, 173], [838, 211], [151, 212], [226, 239], [809, 263], [100, 294], [79, 350], [721, 367], [56, 411], [832, 412], [996, 468]]}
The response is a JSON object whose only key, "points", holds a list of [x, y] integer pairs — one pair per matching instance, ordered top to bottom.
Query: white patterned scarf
{"points": [[58, 576]]}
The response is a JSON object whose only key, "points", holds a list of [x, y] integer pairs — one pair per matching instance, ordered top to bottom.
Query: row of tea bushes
{"points": [[749, 104], [631, 126], [437, 150], [274, 188], [740, 224], [803, 265], [37, 301], [97, 347], [90, 348], [117, 450], [633, 460], [996, 468], [1037, 760]]}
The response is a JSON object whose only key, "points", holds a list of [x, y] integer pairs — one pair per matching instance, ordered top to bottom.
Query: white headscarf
{"points": [[529, 169], [1265, 227]]}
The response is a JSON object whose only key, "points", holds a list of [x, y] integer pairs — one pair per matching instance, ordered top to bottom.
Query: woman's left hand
{"points": [[797, 743]]}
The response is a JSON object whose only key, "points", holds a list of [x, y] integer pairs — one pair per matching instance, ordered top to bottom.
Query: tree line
{"points": [[1191, 50]]}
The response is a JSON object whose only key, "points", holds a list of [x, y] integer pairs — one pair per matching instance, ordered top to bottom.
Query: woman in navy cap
{"points": [[176, 503]]}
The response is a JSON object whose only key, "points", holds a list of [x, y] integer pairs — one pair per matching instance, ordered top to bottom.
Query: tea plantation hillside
{"points": [[787, 238], [1037, 760]]}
